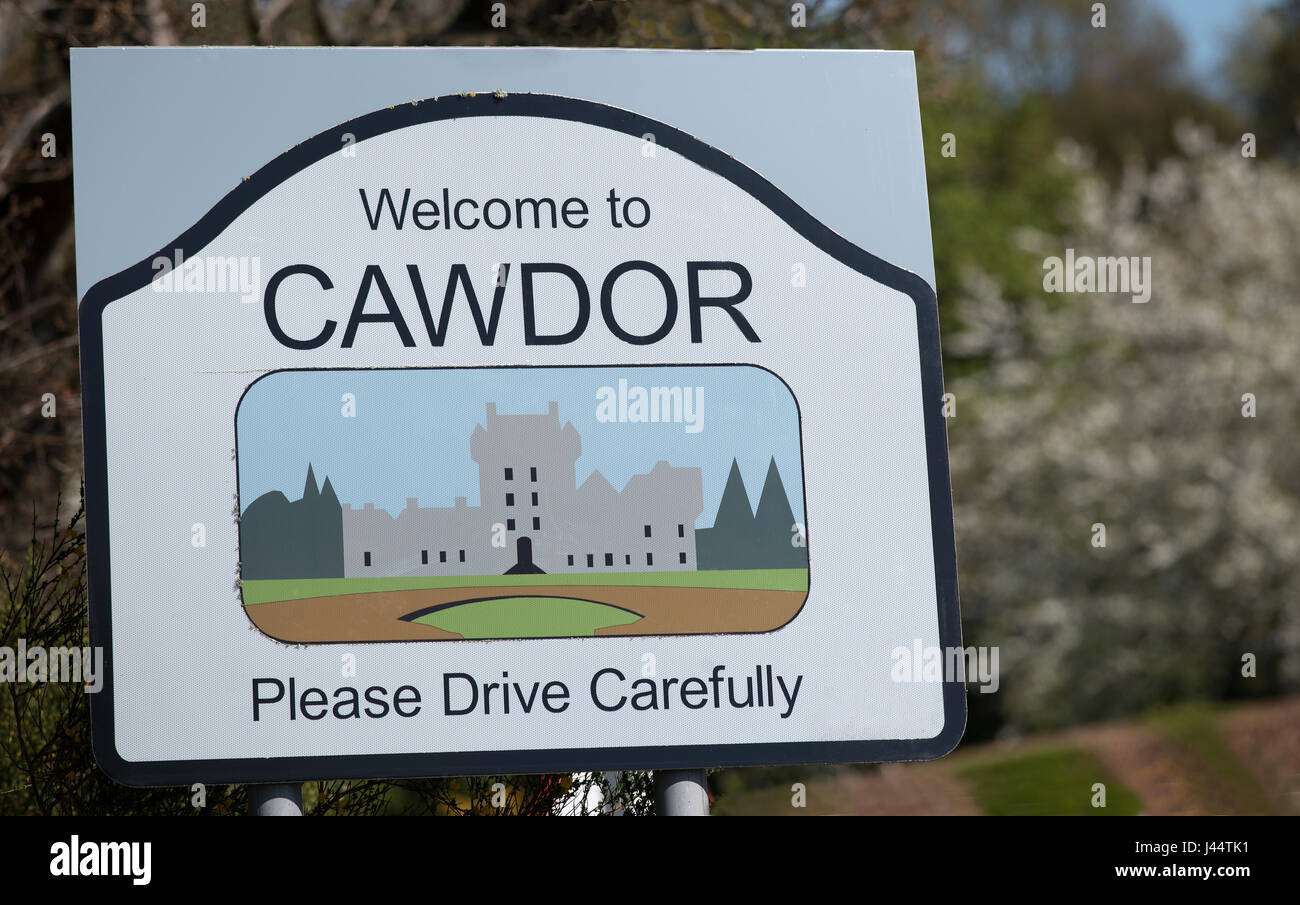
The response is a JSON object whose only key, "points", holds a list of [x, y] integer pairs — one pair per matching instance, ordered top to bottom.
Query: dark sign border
{"points": [[556, 760]]}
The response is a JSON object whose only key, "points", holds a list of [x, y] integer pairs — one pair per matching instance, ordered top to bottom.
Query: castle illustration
{"points": [[532, 507], [532, 517]]}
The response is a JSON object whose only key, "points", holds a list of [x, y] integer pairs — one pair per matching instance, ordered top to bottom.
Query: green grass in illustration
{"points": [[271, 591], [527, 617], [1055, 782]]}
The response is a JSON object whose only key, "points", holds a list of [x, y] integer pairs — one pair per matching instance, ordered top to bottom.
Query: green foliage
{"points": [[1005, 179], [46, 765], [1058, 782]]}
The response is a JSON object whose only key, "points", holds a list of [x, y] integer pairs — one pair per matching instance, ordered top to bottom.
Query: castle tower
{"points": [[526, 467]]}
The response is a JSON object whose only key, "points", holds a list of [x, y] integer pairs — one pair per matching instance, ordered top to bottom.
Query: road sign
{"points": [[513, 432]]}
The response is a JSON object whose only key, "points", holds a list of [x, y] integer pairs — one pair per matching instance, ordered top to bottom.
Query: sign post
{"points": [[513, 432], [681, 793], [275, 800]]}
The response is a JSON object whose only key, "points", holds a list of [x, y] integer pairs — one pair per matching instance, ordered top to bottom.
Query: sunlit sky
{"points": [[1207, 27], [409, 436]]}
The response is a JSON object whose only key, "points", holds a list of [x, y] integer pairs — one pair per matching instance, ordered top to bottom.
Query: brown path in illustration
{"points": [[377, 616], [346, 617]]}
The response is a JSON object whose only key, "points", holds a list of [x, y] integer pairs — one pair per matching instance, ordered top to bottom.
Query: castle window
{"points": [[532, 473], [510, 474], [534, 498], [510, 499], [537, 523], [510, 524], [647, 530], [681, 530], [442, 556], [462, 556], [367, 557], [424, 557], [681, 558], [570, 559], [609, 559], [649, 559], [591, 560], [627, 560]]}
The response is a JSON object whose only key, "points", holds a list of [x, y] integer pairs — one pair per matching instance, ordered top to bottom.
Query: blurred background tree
{"points": [[1265, 71], [1095, 409]]}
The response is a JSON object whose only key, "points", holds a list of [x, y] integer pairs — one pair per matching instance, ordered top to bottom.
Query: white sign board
{"points": [[501, 432]]}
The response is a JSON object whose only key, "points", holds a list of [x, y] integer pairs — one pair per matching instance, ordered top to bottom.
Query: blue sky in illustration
{"points": [[410, 436]]}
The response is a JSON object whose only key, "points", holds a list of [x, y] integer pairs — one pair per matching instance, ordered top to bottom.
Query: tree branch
{"points": [[27, 126]]}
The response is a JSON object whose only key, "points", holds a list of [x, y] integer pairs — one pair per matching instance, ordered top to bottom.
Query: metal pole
{"points": [[681, 793], [277, 800]]}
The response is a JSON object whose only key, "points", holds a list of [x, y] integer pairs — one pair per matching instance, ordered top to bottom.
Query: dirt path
{"points": [[1266, 738], [1153, 767], [1167, 777], [922, 790]]}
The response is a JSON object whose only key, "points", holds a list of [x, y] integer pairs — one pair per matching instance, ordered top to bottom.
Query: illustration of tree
{"points": [[774, 525], [299, 539], [741, 539]]}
